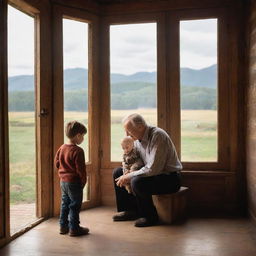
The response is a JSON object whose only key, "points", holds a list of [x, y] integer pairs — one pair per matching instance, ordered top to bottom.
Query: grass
{"points": [[198, 143], [22, 157]]}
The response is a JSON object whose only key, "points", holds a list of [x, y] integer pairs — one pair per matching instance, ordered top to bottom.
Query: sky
{"points": [[132, 47]]}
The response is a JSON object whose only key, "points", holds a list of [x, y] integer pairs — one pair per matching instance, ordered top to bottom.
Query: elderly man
{"points": [[159, 175]]}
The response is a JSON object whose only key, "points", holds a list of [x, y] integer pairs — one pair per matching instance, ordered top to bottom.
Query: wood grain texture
{"points": [[161, 6], [251, 114], [4, 156], [210, 192], [171, 207]]}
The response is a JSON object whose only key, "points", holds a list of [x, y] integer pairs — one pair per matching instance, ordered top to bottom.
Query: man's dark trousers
{"points": [[143, 188]]}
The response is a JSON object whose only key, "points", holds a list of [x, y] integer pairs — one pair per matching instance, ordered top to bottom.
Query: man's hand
{"points": [[126, 171], [123, 180]]}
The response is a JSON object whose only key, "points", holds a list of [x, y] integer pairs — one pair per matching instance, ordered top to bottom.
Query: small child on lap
{"points": [[131, 158], [70, 162]]}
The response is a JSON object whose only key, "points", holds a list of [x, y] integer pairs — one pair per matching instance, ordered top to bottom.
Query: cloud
{"points": [[202, 25], [20, 43], [198, 43], [75, 44], [133, 47]]}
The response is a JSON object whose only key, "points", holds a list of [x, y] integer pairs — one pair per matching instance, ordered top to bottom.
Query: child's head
{"points": [[75, 131], [127, 144]]}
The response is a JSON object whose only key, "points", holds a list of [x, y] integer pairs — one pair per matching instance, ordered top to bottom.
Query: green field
{"points": [[198, 143]]}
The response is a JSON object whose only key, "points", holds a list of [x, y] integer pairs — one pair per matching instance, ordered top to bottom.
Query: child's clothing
{"points": [[70, 162], [131, 162]]}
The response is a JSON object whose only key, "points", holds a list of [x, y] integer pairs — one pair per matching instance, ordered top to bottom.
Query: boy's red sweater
{"points": [[70, 162]]}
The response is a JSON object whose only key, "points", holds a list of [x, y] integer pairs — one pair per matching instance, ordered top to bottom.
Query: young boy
{"points": [[70, 162]]}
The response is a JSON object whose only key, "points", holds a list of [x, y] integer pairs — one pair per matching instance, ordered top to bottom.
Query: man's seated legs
{"points": [[145, 187], [125, 202]]}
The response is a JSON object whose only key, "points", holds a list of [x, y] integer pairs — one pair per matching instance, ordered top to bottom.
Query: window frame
{"points": [[61, 12], [159, 19], [168, 82], [223, 88], [43, 207]]}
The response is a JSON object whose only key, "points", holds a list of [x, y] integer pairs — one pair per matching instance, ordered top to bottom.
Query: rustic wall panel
{"points": [[251, 115]]}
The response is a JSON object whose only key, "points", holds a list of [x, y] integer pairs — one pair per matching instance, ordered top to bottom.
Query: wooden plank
{"points": [[85, 5], [25, 6], [157, 6], [104, 68], [161, 72], [173, 81], [238, 82], [43, 101], [225, 108], [94, 109], [251, 113], [58, 118], [4, 156], [210, 190], [171, 207]]}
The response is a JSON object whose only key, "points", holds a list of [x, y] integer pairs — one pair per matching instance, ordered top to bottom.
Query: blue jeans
{"points": [[72, 198]]}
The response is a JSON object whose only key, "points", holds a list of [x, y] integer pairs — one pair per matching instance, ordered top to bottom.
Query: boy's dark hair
{"points": [[73, 128]]}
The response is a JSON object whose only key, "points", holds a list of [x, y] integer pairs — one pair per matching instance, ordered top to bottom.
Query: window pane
{"points": [[75, 63], [198, 73], [133, 77], [22, 137]]}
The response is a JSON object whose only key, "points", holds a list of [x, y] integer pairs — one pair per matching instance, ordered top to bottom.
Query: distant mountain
{"points": [[206, 77], [77, 79], [21, 83]]}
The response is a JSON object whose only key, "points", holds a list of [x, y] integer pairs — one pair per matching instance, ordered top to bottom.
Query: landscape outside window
{"points": [[75, 63], [133, 64], [198, 74], [21, 91]]}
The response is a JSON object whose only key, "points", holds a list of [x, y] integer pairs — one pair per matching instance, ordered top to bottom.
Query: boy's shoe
{"points": [[126, 215], [64, 230], [80, 231]]}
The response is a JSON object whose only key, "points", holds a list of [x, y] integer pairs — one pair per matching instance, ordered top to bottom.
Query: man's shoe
{"points": [[126, 215], [144, 222], [64, 230], [81, 231]]}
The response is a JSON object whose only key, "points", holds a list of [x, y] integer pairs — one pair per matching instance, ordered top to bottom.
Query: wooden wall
{"points": [[251, 114]]}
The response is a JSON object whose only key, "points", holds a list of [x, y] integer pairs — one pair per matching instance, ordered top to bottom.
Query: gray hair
{"points": [[135, 120]]}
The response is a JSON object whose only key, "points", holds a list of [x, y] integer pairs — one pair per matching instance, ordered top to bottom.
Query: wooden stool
{"points": [[171, 207]]}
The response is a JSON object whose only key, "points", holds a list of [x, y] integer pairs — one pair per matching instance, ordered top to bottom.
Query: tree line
{"points": [[144, 97]]}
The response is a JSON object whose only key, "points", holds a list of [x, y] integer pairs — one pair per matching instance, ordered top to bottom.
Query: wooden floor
{"points": [[204, 237]]}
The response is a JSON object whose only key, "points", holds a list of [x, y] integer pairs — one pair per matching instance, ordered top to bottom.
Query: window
{"points": [[75, 58], [133, 65], [199, 90], [22, 132]]}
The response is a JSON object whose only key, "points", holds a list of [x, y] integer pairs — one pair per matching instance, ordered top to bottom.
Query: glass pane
{"points": [[75, 63], [133, 65], [198, 73], [22, 137]]}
